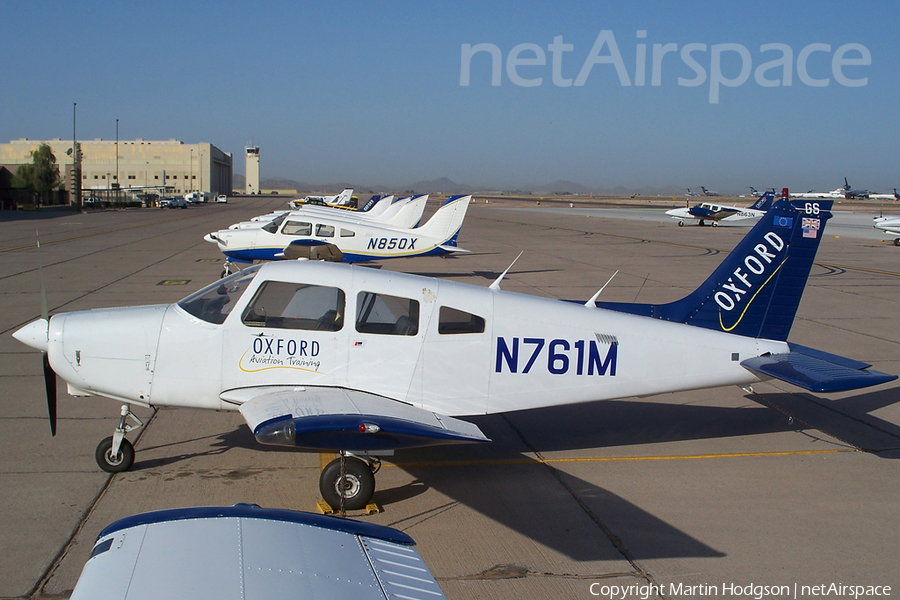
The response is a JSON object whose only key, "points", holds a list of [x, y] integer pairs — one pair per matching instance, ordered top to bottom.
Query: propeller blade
{"points": [[50, 384]]}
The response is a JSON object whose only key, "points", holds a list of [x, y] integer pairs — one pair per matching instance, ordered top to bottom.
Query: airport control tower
{"points": [[252, 169]]}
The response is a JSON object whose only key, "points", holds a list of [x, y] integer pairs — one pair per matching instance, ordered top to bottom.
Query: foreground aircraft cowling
{"points": [[343, 238], [335, 357], [244, 552]]}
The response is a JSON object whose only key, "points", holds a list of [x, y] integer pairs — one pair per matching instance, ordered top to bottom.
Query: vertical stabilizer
{"points": [[756, 290]]}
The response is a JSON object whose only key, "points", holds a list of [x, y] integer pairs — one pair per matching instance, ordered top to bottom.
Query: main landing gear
{"points": [[115, 454], [348, 482]]}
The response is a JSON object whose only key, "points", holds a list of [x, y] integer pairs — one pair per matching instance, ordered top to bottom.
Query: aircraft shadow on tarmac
{"points": [[500, 479]]}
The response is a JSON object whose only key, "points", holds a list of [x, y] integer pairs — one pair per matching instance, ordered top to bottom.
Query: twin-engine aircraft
{"points": [[714, 213], [890, 225], [342, 238], [333, 357]]}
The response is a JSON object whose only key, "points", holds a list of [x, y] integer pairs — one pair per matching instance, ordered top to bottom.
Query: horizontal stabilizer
{"points": [[817, 371], [324, 418]]}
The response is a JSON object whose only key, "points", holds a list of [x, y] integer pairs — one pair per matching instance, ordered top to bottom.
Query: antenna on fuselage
{"points": [[496, 284], [593, 299]]}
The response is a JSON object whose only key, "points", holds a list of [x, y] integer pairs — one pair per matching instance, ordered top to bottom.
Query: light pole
{"points": [[117, 158], [76, 162], [192, 171]]}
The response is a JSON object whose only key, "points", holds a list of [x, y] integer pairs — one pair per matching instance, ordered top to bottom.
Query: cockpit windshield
{"points": [[274, 224], [214, 302]]}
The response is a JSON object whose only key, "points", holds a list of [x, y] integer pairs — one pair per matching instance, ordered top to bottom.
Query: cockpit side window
{"points": [[297, 228], [325, 230], [214, 302], [286, 305], [386, 315], [452, 321]]}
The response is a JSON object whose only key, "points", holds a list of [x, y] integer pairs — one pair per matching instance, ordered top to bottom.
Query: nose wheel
{"points": [[115, 454], [348, 482]]}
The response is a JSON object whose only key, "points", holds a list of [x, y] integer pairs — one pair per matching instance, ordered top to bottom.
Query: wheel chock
{"points": [[324, 507], [372, 509]]}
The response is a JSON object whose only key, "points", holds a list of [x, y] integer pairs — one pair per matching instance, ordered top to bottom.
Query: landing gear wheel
{"points": [[681, 223], [701, 223], [715, 223], [897, 242], [118, 463], [357, 487]]}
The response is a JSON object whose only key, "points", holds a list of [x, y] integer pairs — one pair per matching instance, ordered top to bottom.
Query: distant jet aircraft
{"points": [[753, 191], [844, 191], [707, 192], [690, 193], [895, 196], [719, 212], [346, 237], [332, 357], [244, 552]]}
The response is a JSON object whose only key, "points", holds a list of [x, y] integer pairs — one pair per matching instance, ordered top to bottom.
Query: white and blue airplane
{"points": [[400, 212], [715, 213], [890, 225], [343, 238], [334, 357], [244, 552]]}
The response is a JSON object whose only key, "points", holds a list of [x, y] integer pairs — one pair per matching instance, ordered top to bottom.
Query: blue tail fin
{"points": [[765, 201], [370, 203], [756, 290]]}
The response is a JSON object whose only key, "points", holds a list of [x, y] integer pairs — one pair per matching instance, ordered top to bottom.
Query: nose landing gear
{"points": [[115, 454]]}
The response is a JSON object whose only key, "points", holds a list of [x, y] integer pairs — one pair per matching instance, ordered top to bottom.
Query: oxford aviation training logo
{"points": [[735, 295]]}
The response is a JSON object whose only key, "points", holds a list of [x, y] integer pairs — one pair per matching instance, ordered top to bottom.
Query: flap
{"points": [[817, 371], [326, 418]]}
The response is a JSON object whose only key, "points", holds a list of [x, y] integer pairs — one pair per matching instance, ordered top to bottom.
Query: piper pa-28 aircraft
{"points": [[342, 200], [403, 213], [714, 213], [890, 225], [342, 238], [334, 357], [244, 552]]}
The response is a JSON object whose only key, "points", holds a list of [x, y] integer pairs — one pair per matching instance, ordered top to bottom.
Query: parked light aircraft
{"points": [[342, 200], [403, 213], [714, 213], [261, 220], [890, 225], [342, 238], [335, 357], [244, 552]]}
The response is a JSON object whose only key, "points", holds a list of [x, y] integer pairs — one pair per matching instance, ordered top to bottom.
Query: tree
{"points": [[41, 176]]}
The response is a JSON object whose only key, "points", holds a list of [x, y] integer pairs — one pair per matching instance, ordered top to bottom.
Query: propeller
{"points": [[49, 373]]}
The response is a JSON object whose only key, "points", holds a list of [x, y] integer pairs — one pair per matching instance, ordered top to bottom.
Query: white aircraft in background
{"points": [[844, 191], [706, 192], [895, 196], [342, 200], [403, 213], [714, 213], [890, 225], [343, 237], [333, 357], [244, 552]]}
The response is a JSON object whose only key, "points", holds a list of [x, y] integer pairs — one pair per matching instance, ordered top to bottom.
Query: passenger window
{"points": [[297, 228], [325, 230], [347, 233], [296, 306], [386, 315], [452, 321]]}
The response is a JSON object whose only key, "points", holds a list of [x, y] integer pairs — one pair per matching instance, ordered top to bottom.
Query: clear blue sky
{"points": [[370, 92]]}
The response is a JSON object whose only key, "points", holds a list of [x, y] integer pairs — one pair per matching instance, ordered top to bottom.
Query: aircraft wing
{"points": [[721, 212], [816, 371], [327, 418], [246, 552]]}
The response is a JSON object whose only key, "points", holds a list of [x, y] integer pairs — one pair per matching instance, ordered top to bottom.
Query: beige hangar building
{"points": [[172, 166]]}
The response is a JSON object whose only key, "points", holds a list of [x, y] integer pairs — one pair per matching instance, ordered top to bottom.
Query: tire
{"points": [[681, 223], [897, 242], [121, 462], [359, 487]]}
